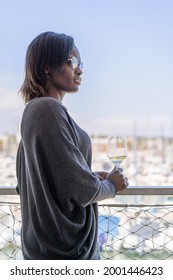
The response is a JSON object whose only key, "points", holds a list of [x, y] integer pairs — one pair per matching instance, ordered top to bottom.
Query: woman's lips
{"points": [[77, 81]]}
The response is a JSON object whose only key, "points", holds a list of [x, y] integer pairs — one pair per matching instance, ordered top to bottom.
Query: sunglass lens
{"points": [[74, 62], [81, 65]]}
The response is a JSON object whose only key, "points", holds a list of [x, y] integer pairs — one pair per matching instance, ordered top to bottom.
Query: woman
{"points": [[58, 191]]}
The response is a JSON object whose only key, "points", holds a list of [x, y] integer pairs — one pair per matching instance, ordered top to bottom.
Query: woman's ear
{"points": [[47, 70]]}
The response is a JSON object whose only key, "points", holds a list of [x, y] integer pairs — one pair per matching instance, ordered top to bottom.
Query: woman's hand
{"points": [[117, 177]]}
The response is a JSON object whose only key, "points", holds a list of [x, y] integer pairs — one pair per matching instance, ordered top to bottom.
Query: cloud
{"points": [[9, 98], [12, 105], [11, 108], [138, 126]]}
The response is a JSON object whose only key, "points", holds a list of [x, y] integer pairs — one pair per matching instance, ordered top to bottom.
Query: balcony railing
{"points": [[127, 230]]}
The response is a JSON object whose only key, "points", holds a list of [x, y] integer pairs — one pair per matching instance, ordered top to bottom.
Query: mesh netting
{"points": [[10, 225], [124, 231], [136, 231]]}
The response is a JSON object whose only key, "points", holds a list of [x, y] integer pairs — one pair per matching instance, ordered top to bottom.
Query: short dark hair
{"points": [[49, 49]]}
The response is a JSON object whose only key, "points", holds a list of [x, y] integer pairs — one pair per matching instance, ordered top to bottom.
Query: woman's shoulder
{"points": [[39, 101], [40, 104], [42, 111]]}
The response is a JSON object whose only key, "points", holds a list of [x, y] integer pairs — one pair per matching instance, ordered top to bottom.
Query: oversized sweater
{"points": [[58, 190]]}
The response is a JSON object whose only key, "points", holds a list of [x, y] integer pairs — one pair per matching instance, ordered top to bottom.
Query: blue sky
{"points": [[127, 50]]}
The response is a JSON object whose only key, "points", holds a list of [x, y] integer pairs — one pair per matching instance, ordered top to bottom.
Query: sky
{"points": [[127, 50]]}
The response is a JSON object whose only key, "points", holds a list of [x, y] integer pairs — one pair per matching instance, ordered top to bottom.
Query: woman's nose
{"points": [[79, 71]]}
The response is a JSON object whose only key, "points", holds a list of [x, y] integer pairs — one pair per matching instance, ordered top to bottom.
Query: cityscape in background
{"points": [[149, 161]]}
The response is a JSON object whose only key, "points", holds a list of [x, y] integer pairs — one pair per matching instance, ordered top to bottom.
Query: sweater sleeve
{"points": [[55, 163]]}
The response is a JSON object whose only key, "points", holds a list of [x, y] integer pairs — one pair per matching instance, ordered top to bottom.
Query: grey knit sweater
{"points": [[58, 191]]}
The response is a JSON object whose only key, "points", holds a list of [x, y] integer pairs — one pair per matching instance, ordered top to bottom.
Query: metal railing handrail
{"points": [[131, 190]]}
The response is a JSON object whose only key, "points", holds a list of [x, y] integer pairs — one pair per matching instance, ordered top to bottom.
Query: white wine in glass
{"points": [[117, 149]]}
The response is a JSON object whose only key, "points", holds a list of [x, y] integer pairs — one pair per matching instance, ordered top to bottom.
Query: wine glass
{"points": [[117, 149]]}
